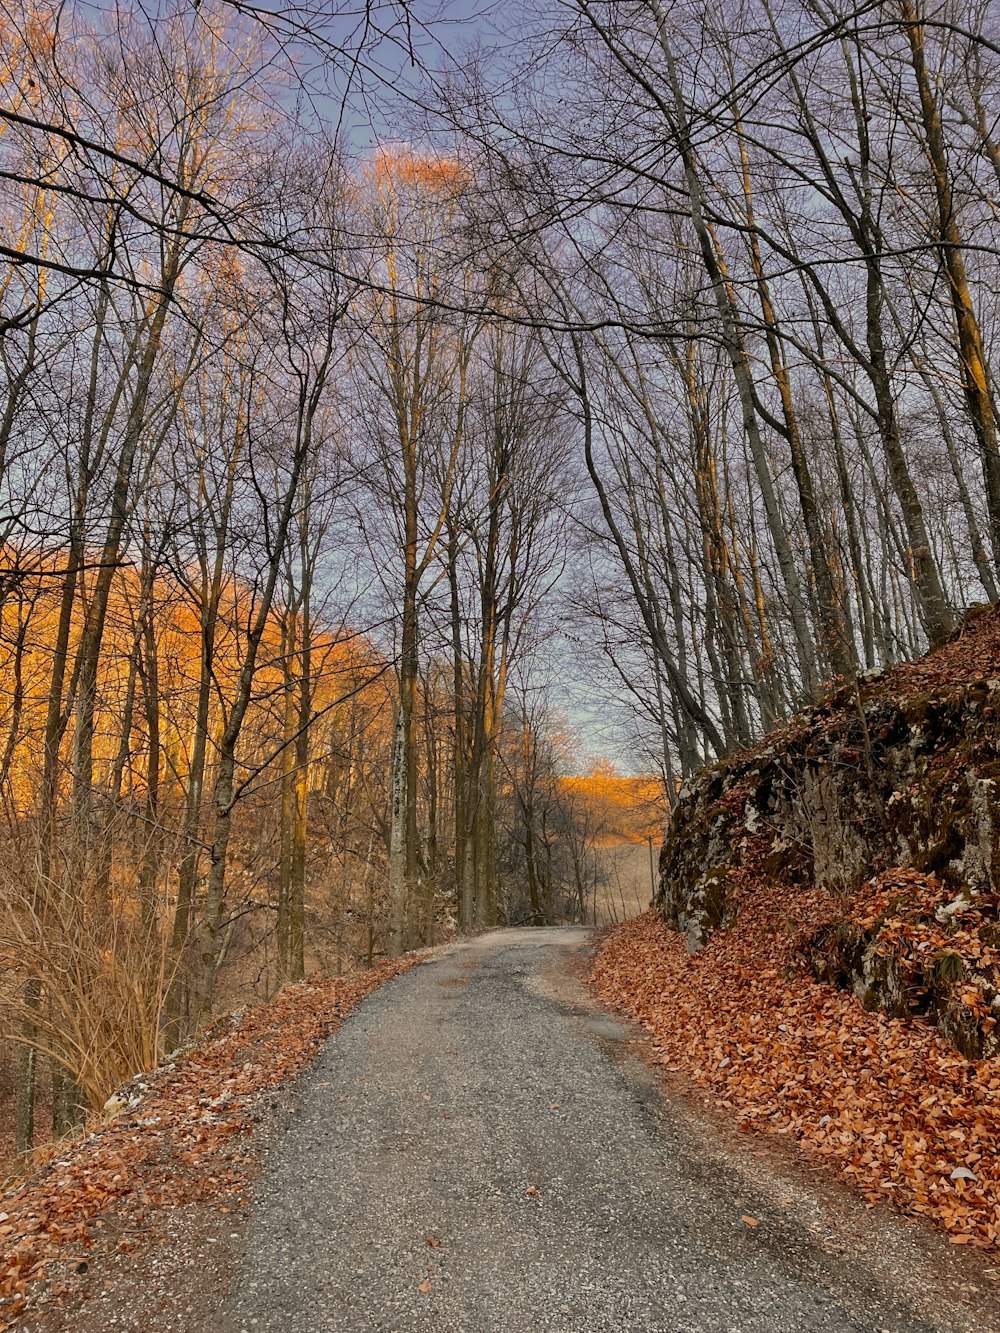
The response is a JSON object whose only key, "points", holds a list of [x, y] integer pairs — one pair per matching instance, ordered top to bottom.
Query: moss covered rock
{"points": [[877, 776]]}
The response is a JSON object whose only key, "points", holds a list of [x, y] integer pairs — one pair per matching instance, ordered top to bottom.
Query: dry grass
{"points": [[628, 882], [91, 982]]}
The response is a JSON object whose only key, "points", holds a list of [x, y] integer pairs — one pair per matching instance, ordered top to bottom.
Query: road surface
{"points": [[480, 1148]]}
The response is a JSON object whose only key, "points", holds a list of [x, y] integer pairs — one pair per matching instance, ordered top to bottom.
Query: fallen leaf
{"points": [[885, 1101], [176, 1153], [750, 1221], [425, 1286]]}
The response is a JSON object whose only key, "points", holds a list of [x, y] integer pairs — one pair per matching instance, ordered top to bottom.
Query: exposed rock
{"points": [[879, 775], [898, 781], [907, 976], [129, 1096]]}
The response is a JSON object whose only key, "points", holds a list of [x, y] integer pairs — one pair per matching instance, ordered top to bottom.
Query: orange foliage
{"points": [[431, 173], [338, 664], [622, 809]]}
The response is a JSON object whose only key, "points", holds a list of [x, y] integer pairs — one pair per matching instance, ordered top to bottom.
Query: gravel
{"points": [[479, 1148]]}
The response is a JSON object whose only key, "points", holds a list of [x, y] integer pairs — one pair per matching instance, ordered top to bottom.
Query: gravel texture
{"points": [[480, 1148]]}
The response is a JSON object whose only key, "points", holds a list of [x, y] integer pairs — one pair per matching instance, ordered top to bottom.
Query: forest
{"points": [[634, 379]]}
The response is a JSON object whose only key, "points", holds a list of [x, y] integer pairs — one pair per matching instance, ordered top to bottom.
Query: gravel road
{"points": [[481, 1149]]}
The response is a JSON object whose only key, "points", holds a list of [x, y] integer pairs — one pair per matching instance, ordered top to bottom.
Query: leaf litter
{"points": [[887, 1101], [182, 1136]]}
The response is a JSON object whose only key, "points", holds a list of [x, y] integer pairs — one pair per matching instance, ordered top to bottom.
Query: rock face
{"points": [[881, 775], [914, 781], [959, 995]]}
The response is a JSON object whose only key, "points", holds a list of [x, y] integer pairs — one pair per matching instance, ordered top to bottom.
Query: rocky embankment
{"points": [[886, 796], [837, 976]]}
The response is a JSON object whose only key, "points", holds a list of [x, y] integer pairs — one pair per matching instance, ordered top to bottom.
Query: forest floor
{"points": [[888, 1102], [480, 1146]]}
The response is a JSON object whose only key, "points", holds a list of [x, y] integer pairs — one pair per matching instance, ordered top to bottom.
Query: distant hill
{"points": [[621, 808]]}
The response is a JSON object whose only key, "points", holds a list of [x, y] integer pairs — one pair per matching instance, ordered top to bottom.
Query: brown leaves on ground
{"points": [[969, 656], [920, 923], [903, 1115], [186, 1140]]}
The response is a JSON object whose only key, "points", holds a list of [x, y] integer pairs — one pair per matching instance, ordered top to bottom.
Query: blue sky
{"points": [[402, 45]]}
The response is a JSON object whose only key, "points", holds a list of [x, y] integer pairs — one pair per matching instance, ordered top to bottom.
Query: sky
{"points": [[366, 92], [378, 104], [577, 678]]}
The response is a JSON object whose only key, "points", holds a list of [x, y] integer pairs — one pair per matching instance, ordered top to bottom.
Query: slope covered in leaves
{"points": [[968, 655], [889, 1101], [181, 1134]]}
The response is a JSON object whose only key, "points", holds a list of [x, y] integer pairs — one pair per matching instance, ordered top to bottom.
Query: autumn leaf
{"points": [[889, 1103], [175, 1156]]}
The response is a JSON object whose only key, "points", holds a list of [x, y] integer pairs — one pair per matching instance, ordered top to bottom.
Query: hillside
{"points": [[623, 816], [823, 954]]}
